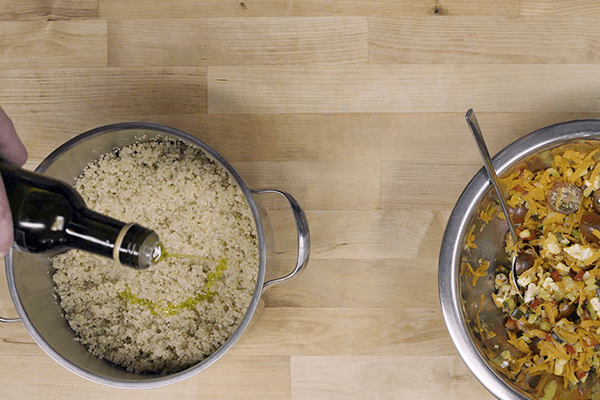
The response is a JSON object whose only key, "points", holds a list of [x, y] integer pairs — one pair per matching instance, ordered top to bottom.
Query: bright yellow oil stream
{"points": [[168, 308]]}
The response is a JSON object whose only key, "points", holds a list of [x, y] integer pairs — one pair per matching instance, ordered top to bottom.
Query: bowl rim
{"points": [[454, 234], [159, 380]]}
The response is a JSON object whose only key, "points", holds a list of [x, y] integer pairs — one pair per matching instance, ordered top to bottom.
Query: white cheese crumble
{"points": [[591, 186], [579, 252], [562, 268], [500, 280], [523, 281], [549, 284], [531, 292], [595, 302], [559, 365]]}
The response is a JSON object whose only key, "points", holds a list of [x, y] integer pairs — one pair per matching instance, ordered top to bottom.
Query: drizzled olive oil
{"points": [[168, 308]]}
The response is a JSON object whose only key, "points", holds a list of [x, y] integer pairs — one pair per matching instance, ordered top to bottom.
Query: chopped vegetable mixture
{"points": [[557, 213]]}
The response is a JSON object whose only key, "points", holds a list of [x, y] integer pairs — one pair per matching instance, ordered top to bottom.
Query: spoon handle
{"points": [[487, 162]]}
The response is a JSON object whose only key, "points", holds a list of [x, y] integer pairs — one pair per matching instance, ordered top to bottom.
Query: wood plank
{"points": [[560, 7], [129, 9], [50, 10], [480, 40], [237, 41], [60, 44], [403, 88], [82, 92], [227, 134], [310, 137], [412, 137], [424, 184], [320, 185], [407, 233], [347, 283], [347, 332], [14, 338], [256, 376], [248, 377], [386, 378]]}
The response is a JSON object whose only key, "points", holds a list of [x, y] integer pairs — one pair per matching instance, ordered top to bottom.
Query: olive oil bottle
{"points": [[49, 216]]}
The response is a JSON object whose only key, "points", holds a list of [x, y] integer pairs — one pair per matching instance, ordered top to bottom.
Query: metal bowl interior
{"points": [[30, 276], [474, 322]]}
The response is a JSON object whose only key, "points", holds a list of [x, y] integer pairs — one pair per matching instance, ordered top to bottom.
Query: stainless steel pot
{"points": [[29, 276], [468, 309]]}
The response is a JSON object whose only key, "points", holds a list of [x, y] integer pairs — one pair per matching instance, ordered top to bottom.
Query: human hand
{"points": [[12, 148]]}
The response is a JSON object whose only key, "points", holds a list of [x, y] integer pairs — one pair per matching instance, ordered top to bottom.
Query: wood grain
{"points": [[559, 7], [130, 9], [50, 10], [481, 39], [237, 41], [60, 44], [403, 88], [81, 92], [356, 107], [40, 134], [411, 137], [423, 184], [323, 185], [349, 234], [357, 283], [338, 332], [248, 377], [386, 378]]}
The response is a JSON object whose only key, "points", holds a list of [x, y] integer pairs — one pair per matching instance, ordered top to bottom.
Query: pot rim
{"points": [[454, 234], [159, 380]]}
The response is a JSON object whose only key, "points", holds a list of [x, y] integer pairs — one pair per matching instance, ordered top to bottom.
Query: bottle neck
{"points": [[49, 216], [128, 244]]}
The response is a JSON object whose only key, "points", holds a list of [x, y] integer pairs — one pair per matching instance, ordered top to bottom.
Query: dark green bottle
{"points": [[49, 217]]}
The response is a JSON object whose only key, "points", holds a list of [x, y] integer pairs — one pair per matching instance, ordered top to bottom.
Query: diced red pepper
{"points": [[519, 188], [556, 276], [579, 276], [535, 303], [511, 324], [548, 338], [591, 342], [570, 349], [580, 374]]}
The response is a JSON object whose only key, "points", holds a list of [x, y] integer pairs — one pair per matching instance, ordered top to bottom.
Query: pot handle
{"points": [[303, 237], [2, 319]]}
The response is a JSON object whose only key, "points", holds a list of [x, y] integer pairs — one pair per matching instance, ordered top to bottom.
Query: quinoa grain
{"points": [[144, 320]]}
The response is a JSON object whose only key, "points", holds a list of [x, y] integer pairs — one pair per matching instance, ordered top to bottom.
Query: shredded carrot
{"points": [[471, 238], [480, 272], [564, 275]]}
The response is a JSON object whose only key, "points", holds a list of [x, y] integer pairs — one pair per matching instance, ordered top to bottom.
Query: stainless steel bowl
{"points": [[30, 276], [466, 308]]}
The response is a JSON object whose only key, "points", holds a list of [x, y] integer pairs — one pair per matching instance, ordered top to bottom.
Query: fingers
{"points": [[10, 144], [12, 148], [6, 224]]}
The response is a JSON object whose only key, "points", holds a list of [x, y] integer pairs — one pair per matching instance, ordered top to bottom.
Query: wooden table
{"points": [[357, 108]]}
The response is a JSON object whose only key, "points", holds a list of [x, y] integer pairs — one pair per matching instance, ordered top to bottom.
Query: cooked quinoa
{"points": [[144, 320]]}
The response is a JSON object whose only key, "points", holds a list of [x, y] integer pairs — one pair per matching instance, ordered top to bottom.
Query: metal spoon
{"points": [[493, 177]]}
